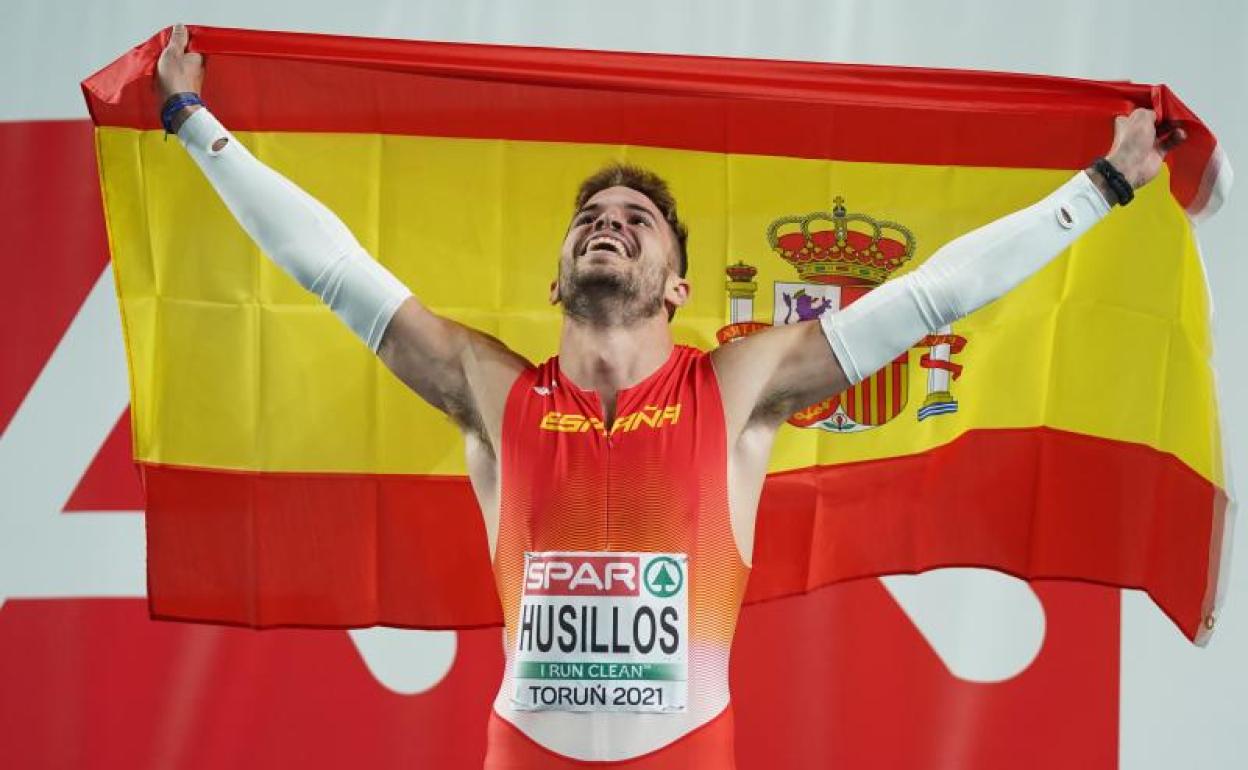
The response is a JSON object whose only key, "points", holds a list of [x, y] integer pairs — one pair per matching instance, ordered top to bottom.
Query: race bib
{"points": [[603, 631]]}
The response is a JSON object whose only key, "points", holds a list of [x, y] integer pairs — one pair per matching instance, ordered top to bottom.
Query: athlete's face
{"points": [[618, 264]]}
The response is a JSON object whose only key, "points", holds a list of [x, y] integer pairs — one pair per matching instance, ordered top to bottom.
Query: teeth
{"points": [[611, 243]]}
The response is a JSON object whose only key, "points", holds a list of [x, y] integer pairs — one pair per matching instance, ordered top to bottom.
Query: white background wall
{"points": [[1181, 706]]}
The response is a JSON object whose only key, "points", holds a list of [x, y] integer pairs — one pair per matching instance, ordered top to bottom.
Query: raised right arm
{"points": [[456, 369]]}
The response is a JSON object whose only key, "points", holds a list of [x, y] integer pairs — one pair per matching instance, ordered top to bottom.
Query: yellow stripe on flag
{"points": [[1109, 341]]}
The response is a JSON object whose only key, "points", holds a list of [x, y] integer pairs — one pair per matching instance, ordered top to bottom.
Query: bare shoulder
{"points": [[492, 368], [744, 370], [462, 371], [767, 376]]}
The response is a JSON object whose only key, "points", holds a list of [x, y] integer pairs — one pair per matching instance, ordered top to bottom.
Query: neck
{"points": [[608, 358]]}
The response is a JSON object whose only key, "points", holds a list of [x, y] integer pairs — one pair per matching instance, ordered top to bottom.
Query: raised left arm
{"points": [[769, 375]]}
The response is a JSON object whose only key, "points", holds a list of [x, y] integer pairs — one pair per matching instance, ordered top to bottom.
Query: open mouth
{"points": [[607, 243]]}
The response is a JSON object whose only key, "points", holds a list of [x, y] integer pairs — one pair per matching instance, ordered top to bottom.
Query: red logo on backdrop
{"points": [[837, 678]]}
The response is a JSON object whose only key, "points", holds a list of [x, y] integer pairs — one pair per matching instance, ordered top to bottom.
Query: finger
{"points": [[178, 38], [1172, 139]]}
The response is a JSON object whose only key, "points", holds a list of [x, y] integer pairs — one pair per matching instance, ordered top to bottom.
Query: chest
{"points": [[574, 478]]}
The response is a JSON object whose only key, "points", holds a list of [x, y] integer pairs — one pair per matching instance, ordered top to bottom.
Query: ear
{"points": [[554, 292], [676, 294]]}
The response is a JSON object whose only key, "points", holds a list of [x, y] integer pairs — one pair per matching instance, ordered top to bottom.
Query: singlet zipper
{"points": [[606, 534]]}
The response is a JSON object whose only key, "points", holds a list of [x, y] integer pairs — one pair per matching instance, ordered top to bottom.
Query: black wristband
{"points": [[1117, 182]]}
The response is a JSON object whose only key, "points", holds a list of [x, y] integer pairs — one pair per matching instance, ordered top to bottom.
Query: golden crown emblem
{"points": [[848, 250]]}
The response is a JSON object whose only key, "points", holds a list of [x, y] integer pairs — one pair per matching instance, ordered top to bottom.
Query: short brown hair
{"points": [[648, 184]]}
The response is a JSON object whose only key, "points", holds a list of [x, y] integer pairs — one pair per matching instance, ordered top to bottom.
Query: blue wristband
{"points": [[174, 104]]}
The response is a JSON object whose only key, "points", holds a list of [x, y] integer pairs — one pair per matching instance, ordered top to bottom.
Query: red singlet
{"points": [[655, 483]]}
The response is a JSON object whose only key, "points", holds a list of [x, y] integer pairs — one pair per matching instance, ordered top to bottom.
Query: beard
{"points": [[603, 298]]}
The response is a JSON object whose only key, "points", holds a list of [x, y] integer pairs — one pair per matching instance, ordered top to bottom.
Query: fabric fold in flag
{"points": [[1069, 430]]}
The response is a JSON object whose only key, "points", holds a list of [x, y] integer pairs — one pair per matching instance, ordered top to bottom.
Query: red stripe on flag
{"points": [[295, 82], [899, 385], [865, 388], [876, 392], [881, 401], [1032, 502], [1036, 503], [263, 549]]}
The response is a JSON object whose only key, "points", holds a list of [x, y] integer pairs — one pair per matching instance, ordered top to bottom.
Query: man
{"points": [[619, 480]]}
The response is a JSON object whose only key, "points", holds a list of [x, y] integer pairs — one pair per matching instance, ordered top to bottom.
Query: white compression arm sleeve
{"points": [[299, 233], [961, 277]]}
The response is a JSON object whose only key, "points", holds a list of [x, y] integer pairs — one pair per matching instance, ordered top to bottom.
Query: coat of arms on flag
{"points": [[839, 256]]}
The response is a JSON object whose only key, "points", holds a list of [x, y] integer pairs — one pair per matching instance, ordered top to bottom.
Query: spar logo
{"points": [[839, 257], [572, 575], [664, 577]]}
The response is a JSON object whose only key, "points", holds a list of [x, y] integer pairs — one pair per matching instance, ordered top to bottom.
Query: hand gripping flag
{"points": [[1068, 430]]}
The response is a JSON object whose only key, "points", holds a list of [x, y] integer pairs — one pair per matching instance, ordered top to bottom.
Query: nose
{"points": [[608, 218]]}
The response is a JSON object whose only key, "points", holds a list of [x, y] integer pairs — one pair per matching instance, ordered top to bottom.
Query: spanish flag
{"points": [[1069, 430]]}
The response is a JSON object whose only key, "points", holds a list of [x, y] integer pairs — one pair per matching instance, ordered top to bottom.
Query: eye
{"points": [[582, 219], [640, 219]]}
